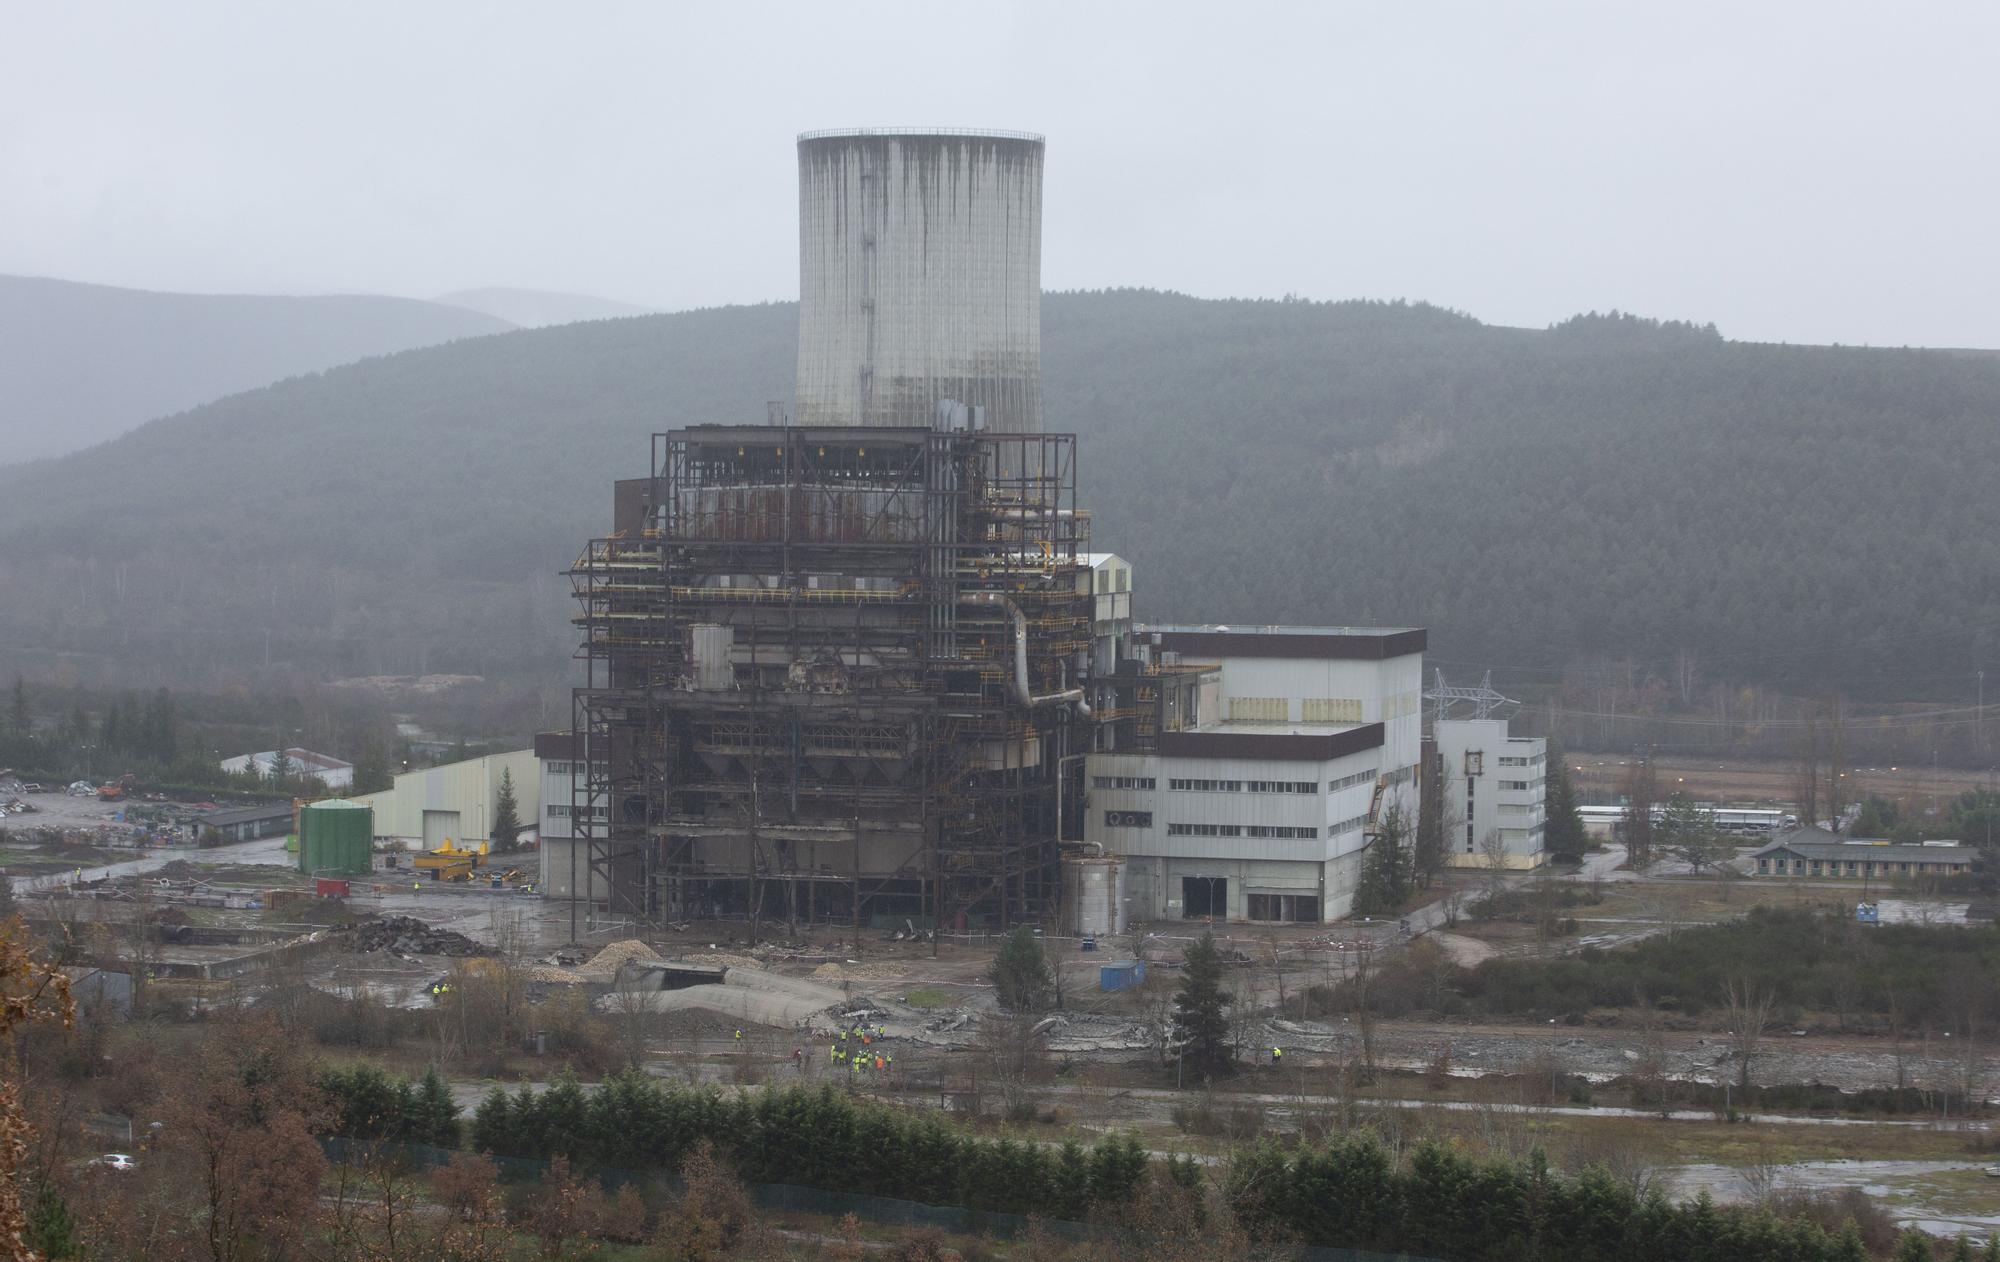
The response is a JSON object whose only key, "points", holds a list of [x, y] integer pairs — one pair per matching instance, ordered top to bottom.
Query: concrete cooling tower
{"points": [[920, 268]]}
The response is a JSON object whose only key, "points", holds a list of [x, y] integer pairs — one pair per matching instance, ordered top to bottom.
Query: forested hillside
{"points": [[83, 363], [1610, 485]]}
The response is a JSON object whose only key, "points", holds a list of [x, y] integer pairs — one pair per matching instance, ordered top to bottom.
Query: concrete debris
{"points": [[405, 935], [724, 959], [603, 967], [750, 995]]}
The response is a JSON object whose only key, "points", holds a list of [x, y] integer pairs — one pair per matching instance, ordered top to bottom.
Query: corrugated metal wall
{"points": [[471, 788]]}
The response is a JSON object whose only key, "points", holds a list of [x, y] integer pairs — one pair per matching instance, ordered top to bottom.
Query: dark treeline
{"points": [[1608, 489], [175, 740], [810, 1136], [1351, 1192]]}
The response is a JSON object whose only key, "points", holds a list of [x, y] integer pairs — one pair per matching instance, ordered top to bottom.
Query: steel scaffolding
{"points": [[835, 674]]}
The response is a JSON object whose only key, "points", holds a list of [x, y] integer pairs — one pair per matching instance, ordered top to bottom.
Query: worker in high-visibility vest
{"points": [[739, 1036], [833, 1052], [1277, 1055], [878, 1060]]}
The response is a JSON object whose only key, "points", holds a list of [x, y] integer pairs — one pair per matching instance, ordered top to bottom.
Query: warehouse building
{"points": [[1250, 768], [1495, 787], [456, 801], [248, 823]]}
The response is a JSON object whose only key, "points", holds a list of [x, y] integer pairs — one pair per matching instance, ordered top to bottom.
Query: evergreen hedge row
{"points": [[817, 1137], [1351, 1192]]}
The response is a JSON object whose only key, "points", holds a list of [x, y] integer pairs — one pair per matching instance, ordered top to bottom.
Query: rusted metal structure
{"points": [[835, 673]]}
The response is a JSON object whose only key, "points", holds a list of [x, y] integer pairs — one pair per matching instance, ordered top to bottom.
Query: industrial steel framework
{"points": [[834, 674]]}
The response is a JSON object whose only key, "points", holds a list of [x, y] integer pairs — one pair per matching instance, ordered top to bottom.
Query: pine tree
{"points": [[19, 722], [114, 724], [371, 768], [506, 815], [1563, 830], [1386, 874], [1020, 973], [1201, 1027], [435, 1112], [51, 1230], [1913, 1246]]}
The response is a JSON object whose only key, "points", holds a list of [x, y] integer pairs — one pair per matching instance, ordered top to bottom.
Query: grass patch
{"points": [[931, 997]]}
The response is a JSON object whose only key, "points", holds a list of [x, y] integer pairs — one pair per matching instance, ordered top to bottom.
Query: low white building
{"points": [[1255, 765], [328, 770], [1494, 789], [456, 802]]}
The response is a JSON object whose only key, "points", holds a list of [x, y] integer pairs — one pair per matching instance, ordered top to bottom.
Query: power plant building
{"points": [[860, 666], [839, 670], [1259, 767]]}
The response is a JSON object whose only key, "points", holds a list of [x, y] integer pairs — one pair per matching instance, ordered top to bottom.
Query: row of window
{"points": [[1530, 761], [566, 768], [1121, 782], [1348, 782], [1246, 786], [556, 810], [1144, 819], [1242, 830], [1832, 867]]}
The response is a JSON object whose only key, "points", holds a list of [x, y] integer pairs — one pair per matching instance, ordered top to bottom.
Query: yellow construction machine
{"points": [[451, 863]]}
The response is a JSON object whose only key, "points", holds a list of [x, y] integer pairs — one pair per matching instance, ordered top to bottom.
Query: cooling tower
{"points": [[920, 267]]}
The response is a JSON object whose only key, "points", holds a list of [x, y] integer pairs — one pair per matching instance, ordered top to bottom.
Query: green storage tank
{"points": [[337, 838]]}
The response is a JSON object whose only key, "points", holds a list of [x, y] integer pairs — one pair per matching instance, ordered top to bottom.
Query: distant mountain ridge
{"points": [[536, 308], [83, 363], [1536, 498]]}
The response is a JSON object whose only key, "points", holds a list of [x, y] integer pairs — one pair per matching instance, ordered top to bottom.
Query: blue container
{"points": [[1121, 976]]}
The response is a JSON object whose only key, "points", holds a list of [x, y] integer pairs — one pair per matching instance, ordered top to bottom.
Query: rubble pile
{"points": [[406, 935]]}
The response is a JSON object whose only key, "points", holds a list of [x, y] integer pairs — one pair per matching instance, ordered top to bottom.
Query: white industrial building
{"points": [[1256, 766], [328, 770], [1494, 790], [456, 802]]}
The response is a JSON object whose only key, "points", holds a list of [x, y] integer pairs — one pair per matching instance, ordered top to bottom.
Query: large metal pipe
{"points": [[1020, 681]]}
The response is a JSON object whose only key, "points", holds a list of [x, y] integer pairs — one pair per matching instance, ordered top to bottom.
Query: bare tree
{"points": [[1641, 793], [1493, 854], [1748, 1004], [1361, 1005], [1015, 1059]]}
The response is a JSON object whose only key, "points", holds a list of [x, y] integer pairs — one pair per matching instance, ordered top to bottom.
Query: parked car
{"points": [[31, 787], [114, 1161]]}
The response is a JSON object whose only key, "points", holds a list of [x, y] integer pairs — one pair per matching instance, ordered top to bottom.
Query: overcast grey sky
{"points": [[1800, 171]]}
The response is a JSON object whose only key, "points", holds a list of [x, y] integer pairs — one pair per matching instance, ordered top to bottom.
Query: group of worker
{"points": [[852, 1049]]}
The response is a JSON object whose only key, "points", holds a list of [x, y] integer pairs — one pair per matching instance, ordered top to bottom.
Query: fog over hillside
{"points": [[83, 363]]}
